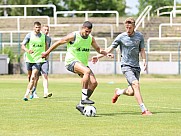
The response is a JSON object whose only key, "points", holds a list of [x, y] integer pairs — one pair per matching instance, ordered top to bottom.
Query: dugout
{"points": [[4, 63]]}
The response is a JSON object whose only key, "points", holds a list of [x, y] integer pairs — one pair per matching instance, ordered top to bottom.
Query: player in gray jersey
{"points": [[131, 45]]}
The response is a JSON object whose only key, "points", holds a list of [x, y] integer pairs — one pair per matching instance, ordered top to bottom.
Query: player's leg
{"points": [[29, 69], [80, 69], [35, 70], [44, 72], [85, 73], [133, 80], [92, 84], [127, 91], [34, 92]]}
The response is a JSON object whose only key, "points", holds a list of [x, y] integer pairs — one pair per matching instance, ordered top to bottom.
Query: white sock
{"points": [[45, 91], [119, 91], [27, 93], [84, 94], [80, 104], [142, 107]]}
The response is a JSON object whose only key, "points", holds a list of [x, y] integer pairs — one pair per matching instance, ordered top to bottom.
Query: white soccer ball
{"points": [[90, 111]]}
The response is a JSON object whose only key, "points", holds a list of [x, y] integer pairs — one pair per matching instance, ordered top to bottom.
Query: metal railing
{"points": [[30, 6], [159, 11], [89, 12], [23, 17], [141, 18], [166, 24], [80, 25], [96, 38], [161, 39]]}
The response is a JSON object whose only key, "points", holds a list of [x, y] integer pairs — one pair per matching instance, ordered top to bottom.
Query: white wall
{"points": [[109, 68]]}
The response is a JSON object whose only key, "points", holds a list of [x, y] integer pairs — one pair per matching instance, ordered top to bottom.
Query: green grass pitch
{"points": [[57, 116]]}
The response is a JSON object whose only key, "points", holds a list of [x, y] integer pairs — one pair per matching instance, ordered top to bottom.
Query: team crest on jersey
{"points": [[136, 42]]}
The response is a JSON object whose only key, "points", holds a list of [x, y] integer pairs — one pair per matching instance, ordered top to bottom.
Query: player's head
{"points": [[129, 24], [37, 27], [45, 29], [86, 29]]}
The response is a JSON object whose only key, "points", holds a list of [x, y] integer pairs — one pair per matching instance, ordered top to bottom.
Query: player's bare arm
{"points": [[66, 39], [23, 47], [97, 48], [108, 51], [143, 55]]}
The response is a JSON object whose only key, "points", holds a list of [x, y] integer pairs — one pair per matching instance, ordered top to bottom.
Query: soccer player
{"points": [[34, 44], [131, 44], [76, 60], [44, 70]]}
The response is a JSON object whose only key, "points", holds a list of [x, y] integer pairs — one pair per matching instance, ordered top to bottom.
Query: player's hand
{"points": [[30, 51], [103, 52], [43, 55], [110, 55], [94, 59], [145, 66]]}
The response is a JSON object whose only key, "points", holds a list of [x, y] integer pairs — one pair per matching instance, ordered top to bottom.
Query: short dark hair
{"points": [[37, 23], [87, 24]]}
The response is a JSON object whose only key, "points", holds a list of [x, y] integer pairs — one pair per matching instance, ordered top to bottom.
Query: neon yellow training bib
{"points": [[37, 44], [79, 50]]}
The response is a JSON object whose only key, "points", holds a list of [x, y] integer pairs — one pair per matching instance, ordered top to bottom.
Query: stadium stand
{"points": [[14, 29]]}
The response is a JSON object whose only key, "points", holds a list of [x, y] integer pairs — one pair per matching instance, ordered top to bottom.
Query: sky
{"points": [[132, 4]]}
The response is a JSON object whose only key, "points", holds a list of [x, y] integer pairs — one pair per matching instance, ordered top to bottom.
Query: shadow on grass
{"points": [[119, 113], [138, 113]]}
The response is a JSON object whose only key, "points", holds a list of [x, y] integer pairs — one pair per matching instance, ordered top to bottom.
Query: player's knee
{"points": [[87, 71], [33, 78], [95, 84], [135, 84], [130, 91]]}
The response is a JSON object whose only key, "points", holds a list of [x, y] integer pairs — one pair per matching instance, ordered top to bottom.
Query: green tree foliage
{"points": [[155, 4], [78, 5], [95, 5]]}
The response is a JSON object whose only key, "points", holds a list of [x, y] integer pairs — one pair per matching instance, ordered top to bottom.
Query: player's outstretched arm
{"points": [[66, 39], [109, 54]]}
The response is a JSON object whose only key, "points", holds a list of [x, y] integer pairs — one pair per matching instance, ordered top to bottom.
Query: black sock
{"points": [[89, 92]]}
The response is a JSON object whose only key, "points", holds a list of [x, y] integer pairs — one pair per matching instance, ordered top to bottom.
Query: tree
{"points": [[155, 4], [70, 5], [87, 5]]}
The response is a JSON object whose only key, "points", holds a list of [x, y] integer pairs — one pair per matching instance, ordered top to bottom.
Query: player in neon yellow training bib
{"points": [[34, 44], [76, 60]]}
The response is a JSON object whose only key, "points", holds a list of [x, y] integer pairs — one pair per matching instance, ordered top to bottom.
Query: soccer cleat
{"points": [[32, 94], [48, 95], [35, 96], [115, 97], [25, 99], [87, 101], [80, 108], [146, 113]]}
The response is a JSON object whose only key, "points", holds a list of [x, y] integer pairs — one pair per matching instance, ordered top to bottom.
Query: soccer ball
{"points": [[90, 111]]}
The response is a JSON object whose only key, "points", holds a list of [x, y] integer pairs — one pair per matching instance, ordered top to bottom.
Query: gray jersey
{"points": [[49, 40], [130, 47]]}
